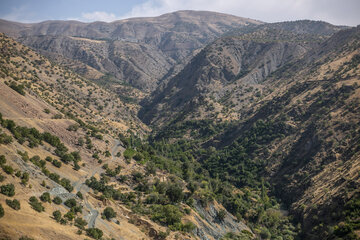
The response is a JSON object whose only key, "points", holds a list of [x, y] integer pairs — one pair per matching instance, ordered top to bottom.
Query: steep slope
{"points": [[139, 51], [222, 76], [298, 127], [64, 173]]}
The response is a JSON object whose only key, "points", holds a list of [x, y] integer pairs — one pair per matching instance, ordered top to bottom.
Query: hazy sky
{"points": [[340, 12]]}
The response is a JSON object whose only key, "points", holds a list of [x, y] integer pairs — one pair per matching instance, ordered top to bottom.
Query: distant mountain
{"points": [[137, 51], [229, 66]]}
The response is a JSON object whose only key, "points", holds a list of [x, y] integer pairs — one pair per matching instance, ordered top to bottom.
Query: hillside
{"points": [[139, 51], [224, 74], [277, 105], [190, 125], [72, 163]]}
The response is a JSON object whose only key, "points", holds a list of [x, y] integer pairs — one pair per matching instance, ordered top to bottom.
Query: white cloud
{"points": [[334, 11]]}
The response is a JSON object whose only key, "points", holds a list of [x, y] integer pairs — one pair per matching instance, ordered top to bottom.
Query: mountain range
{"points": [[190, 125]]}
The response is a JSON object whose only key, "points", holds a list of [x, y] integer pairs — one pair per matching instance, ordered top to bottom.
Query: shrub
{"points": [[18, 88], [5, 139], [107, 153], [128, 153], [2, 160], [56, 163], [8, 169], [2, 178], [25, 178], [8, 189], [175, 193], [79, 194], [45, 197], [57, 200], [70, 203], [14, 204], [35, 204], [2, 212], [109, 213], [168, 214], [57, 215], [70, 215], [221, 215], [80, 223], [188, 227], [94, 233], [25, 238]]}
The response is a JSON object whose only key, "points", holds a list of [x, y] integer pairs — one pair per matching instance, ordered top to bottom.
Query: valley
{"points": [[190, 125]]}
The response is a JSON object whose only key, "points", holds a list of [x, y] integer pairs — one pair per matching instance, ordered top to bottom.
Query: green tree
{"points": [[8, 189], [175, 193], [45, 197], [57, 200], [14, 204], [35, 204], [2, 212], [109, 213], [57, 215], [94, 233]]}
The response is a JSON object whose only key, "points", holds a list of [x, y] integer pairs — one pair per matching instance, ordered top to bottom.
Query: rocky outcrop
{"points": [[226, 65], [210, 226]]}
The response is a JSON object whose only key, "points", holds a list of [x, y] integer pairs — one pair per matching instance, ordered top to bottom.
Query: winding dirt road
{"points": [[84, 189]]}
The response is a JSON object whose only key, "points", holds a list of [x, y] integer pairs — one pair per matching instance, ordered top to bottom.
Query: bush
{"points": [[18, 88], [5, 139], [128, 153], [2, 160], [56, 163], [8, 169], [25, 178], [8, 189], [175, 193], [79, 194], [45, 197], [57, 200], [70, 203], [14, 204], [35, 204], [2, 212], [109, 213], [168, 214], [57, 215], [70, 215], [221, 215], [80, 223], [188, 227], [94, 233], [25, 238]]}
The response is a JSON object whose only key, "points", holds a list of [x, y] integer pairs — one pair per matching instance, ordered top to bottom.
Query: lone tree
{"points": [[109, 213]]}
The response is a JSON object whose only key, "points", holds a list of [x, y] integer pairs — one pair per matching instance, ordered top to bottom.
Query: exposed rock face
{"points": [[139, 51], [224, 66], [211, 227]]}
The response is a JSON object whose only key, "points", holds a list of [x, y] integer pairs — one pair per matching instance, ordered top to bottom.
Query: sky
{"points": [[338, 12]]}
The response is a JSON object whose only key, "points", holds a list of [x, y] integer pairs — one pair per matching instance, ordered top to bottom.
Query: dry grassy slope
{"points": [[63, 89], [43, 91]]}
